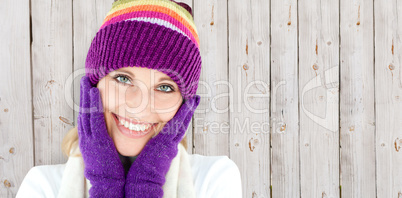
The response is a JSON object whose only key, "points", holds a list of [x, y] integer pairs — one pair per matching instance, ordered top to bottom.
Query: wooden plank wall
{"points": [[249, 79], [304, 96], [388, 97], [319, 98], [284, 99], [357, 105], [16, 116]]}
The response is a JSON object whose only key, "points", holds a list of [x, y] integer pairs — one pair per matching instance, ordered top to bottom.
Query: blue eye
{"points": [[123, 79], [165, 88]]}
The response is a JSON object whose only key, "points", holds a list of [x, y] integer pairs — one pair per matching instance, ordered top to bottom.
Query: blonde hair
{"points": [[70, 141]]}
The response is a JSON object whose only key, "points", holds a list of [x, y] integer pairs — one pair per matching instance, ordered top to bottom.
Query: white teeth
{"points": [[132, 126], [135, 127], [138, 127]]}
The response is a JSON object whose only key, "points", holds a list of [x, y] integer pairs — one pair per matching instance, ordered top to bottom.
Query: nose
{"points": [[138, 103]]}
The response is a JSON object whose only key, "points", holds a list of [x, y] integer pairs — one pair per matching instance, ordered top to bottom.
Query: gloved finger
{"points": [[85, 86], [95, 100], [84, 105], [97, 116], [79, 127], [83, 129]]}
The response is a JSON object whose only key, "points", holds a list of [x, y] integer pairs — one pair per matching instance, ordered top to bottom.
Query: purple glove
{"points": [[103, 167], [146, 176]]}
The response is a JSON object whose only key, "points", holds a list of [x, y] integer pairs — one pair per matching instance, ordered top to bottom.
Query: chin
{"points": [[129, 146]]}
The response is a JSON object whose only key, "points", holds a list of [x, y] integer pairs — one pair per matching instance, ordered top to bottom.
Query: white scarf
{"points": [[179, 180]]}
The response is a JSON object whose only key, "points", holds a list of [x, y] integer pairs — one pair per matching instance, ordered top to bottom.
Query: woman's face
{"points": [[134, 99]]}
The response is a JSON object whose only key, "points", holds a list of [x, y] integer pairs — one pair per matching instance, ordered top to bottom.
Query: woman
{"points": [[136, 101]]}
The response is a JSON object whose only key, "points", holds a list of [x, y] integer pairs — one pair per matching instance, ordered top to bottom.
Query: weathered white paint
{"points": [[211, 21], [51, 64], [249, 76], [388, 97], [319, 98], [284, 100], [357, 118], [16, 127]]}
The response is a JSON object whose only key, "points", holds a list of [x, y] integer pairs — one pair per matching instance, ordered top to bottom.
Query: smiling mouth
{"points": [[133, 125]]}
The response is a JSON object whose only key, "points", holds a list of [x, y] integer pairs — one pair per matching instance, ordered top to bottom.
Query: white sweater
{"points": [[213, 176]]}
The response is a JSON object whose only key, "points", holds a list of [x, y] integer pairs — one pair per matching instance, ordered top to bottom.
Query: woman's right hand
{"points": [[103, 167]]}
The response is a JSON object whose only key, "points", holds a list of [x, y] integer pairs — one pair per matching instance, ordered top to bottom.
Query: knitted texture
{"points": [[155, 34], [103, 167], [146, 176]]}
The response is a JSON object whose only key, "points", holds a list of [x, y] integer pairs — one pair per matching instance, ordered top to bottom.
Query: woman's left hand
{"points": [[146, 176]]}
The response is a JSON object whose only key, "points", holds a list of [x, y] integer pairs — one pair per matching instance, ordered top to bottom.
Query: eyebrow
{"points": [[127, 72], [132, 74], [165, 78]]}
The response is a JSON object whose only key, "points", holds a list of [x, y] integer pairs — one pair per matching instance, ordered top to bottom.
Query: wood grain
{"points": [[52, 57], [249, 77], [388, 97], [319, 98], [284, 100], [357, 118], [16, 127], [211, 137]]}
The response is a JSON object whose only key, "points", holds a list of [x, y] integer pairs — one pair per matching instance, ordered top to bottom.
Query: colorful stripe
{"points": [[122, 4], [161, 12]]}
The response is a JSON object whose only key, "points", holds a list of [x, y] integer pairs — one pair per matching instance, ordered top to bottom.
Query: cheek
{"points": [[111, 96], [166, 109]]}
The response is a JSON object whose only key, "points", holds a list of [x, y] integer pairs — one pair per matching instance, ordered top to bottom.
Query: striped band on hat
{"points": [[162, 12]]}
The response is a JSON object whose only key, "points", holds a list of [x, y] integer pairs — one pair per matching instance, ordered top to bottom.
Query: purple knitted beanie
{"points": [[155, 34]]}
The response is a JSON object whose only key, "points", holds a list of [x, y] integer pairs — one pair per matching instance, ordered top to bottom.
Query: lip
{"points": [[131, 120], [132, 133]]}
